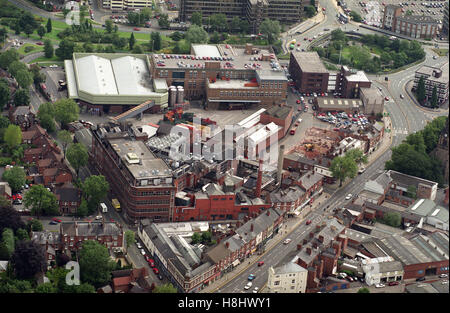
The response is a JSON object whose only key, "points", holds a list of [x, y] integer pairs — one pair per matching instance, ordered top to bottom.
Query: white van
{"points": [[104, 207]]}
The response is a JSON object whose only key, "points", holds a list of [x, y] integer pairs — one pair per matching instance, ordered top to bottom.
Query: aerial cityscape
{"points": [[246, 147]]}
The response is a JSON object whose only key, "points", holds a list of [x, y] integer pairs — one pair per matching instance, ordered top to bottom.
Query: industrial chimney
{"points": [[280, 163], [259, 180]]}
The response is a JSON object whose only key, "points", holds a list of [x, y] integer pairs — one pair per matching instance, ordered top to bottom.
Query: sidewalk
{"points": [[289, 224]]}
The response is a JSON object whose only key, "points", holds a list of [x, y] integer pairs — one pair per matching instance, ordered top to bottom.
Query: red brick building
{"points": [[308, 72], [280, 115], [69, 198]]}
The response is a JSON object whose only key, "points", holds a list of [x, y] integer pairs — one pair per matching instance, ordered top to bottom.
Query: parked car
{"points": [[136, 29], [40, 43], [401, 96], [386, 98], [349, 196], [56, 220], [308, 222], [53, 223], [287, 241], [138, 245], [142, 251], [151, 262], [260, 263], [155, 270], [443, 276], [160, 277], [421, 278], [393, 283], [380, 285], [255, 290]]}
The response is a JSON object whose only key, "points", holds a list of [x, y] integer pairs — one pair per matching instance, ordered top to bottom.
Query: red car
{"points": [[323, 9], [136, 29], [306, 38], [40, 43], [386, 98], [298, 101], [17, 196], [56, 220], [308, 222], [151, 262], [260, 263], [155, 270], [393, 283]]}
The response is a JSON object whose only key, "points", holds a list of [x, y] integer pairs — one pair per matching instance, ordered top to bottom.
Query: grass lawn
{"points": [[36, 48], [441, 52]]}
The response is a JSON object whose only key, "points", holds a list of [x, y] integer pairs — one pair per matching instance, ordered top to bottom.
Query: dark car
{"points": [[160, 277], [420, 279], [393, 283]]}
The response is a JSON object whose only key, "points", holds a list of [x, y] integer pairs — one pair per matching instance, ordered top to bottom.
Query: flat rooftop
{"points": [[206, 50], [309, 62], [429, 70], [359, 76], [231, 84], [140, 161]]}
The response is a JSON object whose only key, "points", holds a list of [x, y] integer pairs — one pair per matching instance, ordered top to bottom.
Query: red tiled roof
{"points": [[121, 281]]}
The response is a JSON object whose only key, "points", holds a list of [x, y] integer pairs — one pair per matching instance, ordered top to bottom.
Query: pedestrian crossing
{"points": [[400, 131]]}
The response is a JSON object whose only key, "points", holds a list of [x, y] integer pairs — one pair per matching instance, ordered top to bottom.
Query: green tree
{"points": [[65, 11], [310, 11], [356, 17], [196, 18], [163, 21], [218, 22], [235, 25], [49, 26], [109, 26], [271, 29], [28, 30], [41, 31], [196, 34], [3, 35], [176, 36], [215, 38], [131, 41], [156, 41], [48, 49], [138, 49], [65, 50], [8, 57], [16, 66], [38, 77], [24, 78], [420, 92], [5, 94], [22, 97], [434, 98], [66, 111], [47, 122], [13, 136], [66, 138], [77, 155], [357, 155], [343, 167], [95, 188], [41, 201], [83, 210], [9, 217], [393, 219], [35, 225], [22, 234], [206, 237], [129, 238], [196, 238], [8, 241], [28, 259], [95, 263], [46, 288], [166, 288], [364, 290]]}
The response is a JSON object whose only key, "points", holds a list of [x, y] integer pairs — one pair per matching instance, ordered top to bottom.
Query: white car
{"points": [[53, 66], [401, 96], [300, 120], [349, 196], [98, 217], [288, 240], [138, 245], [142, 251], [443, 276], [380, 285], [248, 286], [255, 290]]}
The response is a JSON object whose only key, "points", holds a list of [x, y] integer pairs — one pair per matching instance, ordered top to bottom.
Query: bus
{"points": [[343, 17], [116, 205], [104, 208]]}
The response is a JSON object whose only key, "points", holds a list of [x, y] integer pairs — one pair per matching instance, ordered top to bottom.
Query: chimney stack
{"points": [[280, 163], [259, 180], [251, 227], [311, 234], [321, 239], [227, 244], [299, 247], [308, 251]]}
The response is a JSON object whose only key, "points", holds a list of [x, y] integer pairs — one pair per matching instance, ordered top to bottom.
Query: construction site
{"points": [[317, 142]]}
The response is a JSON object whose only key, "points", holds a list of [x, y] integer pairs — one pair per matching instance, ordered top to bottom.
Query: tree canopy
{"points": [[270, 28], [196, 34], [66, 111], [77, 155], [343, 167], [15, 177], [95, 188], [41, 201], [28, 259], [95, 263]]}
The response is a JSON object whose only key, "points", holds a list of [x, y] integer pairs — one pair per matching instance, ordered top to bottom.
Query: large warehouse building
{"points": [[113, 82]]}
